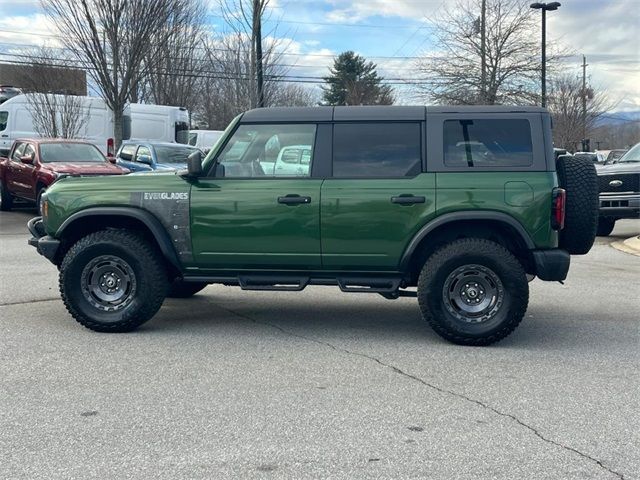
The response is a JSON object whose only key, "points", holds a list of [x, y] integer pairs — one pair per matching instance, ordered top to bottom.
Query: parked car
{"points": [[7, 92], [204, 139], [615, 155], [147, 156], [588, 156], [34, 164], [619, 187], [378, 210]]}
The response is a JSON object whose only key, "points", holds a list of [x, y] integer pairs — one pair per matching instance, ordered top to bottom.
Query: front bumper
{"points": [[620, 206], [45, 245], [551, 265]]}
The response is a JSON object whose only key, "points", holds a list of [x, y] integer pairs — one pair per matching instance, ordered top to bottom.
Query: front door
{"points": [[246, 215]]}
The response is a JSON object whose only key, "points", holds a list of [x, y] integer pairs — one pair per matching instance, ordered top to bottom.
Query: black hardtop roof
{"points": [[372, 112]]}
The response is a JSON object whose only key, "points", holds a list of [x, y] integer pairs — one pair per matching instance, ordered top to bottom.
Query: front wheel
{"points": [[6, 199], [112, 281], [473, 292]]}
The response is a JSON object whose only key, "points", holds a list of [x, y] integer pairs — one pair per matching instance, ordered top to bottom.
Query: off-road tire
{"points": [[579, 179], [6, 199], [605, 226], [458, 255], [147, 270], [182, 289]]}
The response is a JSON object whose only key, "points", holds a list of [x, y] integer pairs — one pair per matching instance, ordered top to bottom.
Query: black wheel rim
{"points": [[108, 283], [473, 294]]}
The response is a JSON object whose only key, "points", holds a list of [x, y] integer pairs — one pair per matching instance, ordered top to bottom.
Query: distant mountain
{"points": [[619, 118]]}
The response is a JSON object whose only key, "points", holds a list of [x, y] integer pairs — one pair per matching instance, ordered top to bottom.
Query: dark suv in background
{"points": [[619, 190], [452, 205]]}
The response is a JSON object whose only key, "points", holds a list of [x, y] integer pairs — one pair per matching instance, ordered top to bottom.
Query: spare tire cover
{"points": [[579, 179]]}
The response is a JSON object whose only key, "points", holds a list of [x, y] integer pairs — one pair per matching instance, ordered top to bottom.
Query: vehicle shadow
{"points": [[369, 319]]}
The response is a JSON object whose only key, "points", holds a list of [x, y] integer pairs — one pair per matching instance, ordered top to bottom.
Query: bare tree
{"points": [[246, 17], [111, 38], [176, 61], [454, 74], [228, 81], [55, 111], [570, 123]]}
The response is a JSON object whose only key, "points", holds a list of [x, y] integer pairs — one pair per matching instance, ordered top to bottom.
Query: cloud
{"points": [[350, 11], [609, 37]]}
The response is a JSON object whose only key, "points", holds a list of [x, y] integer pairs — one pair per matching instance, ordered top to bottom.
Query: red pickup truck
{"points": [[34, 164]]}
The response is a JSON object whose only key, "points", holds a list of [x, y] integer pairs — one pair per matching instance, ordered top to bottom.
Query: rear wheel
{"points": [[6, 199], [606, 226], [112, 281], [182, 289], [473, 292]]}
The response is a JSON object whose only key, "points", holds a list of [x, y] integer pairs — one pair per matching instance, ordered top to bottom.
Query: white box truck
{"points": [[158, 123]]}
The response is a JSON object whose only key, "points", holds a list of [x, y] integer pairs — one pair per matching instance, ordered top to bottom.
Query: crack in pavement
{"points": [[11, 304], [433, 387]]}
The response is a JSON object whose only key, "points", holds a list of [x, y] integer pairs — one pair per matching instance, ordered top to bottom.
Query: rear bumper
{"points": [[620, 206], [44, 244], [551, 265]]}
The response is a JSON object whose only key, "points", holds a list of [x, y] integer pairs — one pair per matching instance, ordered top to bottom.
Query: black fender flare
{"points": [[461, 216], [148, 219]]}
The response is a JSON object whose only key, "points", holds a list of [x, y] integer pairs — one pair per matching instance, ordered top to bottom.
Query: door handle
{"points": [[293, 199], [407, 199]]}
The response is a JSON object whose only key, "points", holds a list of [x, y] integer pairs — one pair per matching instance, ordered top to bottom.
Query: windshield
{"points": [[70, 153], [177, 154], [632, 155]]}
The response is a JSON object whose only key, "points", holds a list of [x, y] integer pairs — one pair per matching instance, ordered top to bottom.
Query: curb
{"points": [[630, 245]]}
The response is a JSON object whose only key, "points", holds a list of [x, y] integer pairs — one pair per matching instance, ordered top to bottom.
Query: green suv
{"points": [[464, 203]]}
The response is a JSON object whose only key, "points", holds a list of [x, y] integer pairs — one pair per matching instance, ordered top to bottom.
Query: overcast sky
{"points": [[393, 32]]}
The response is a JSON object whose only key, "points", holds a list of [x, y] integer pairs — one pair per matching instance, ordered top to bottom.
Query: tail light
{"points": [[110, 148], [558, 208]]}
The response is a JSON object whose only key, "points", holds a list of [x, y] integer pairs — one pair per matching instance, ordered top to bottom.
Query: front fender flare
{"points": [[149, 220]]}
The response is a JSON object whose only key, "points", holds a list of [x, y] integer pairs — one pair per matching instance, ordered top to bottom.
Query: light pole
{"points": [[544, 7]]}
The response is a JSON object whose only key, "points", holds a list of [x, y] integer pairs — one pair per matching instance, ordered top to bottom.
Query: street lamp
{"points": [[544, 7]]}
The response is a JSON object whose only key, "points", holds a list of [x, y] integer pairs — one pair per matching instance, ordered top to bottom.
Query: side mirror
{"points": [[27, 159], [111, 159], [144, 159], [194, 164]]}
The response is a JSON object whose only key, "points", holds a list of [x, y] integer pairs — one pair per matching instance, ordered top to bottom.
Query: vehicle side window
{"points": [[4, 118], [487, 143], [29, 150], [274, 150], [376, 150], [143, 151], [127, 152], [17, 153]]}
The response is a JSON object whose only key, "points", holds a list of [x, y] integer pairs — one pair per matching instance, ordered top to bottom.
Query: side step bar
{"points": [[388, 287]]}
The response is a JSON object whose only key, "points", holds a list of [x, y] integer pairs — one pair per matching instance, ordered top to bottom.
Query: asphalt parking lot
{"points": [[319, 384]]}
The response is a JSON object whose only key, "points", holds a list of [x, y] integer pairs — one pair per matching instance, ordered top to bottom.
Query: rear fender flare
{"points": [[461, 216]]}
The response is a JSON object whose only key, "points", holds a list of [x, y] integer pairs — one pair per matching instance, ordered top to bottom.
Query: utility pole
{"points": [[257, 34], [483, 52], [585, 142]]}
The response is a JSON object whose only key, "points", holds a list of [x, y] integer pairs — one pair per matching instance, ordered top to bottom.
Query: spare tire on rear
{"points": [[579, 179]]}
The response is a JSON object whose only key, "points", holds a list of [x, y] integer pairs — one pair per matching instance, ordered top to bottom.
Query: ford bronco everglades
{"points": [[458, 206]]}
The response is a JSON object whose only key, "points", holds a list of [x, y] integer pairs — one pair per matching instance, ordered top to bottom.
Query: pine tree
{"points": [[354, 81]]}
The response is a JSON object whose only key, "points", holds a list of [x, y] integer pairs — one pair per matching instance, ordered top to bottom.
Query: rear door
{"points": [[377, 197], [245, 216]]}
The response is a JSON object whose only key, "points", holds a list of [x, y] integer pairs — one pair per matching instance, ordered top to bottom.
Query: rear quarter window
{"points": [[487, 143]]}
